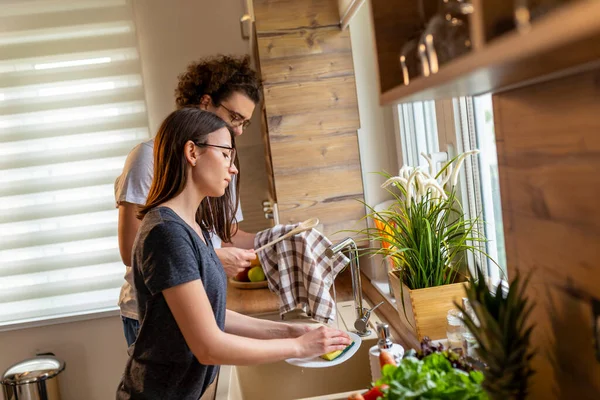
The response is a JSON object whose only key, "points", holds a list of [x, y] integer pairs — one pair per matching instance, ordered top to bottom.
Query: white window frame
{"points": [[478, 187]]}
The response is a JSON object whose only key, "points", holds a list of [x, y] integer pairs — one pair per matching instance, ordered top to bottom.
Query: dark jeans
{"points": [[130, 328]]}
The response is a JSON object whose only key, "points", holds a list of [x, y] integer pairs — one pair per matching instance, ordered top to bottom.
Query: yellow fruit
{"points": [[255, 262], [256, 274]]}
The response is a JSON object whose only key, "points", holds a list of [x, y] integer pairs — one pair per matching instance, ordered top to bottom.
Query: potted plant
{"points": [[426, 237]]}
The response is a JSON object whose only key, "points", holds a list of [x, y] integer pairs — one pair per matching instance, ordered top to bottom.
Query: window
{"points": [[71, 108], [473, 128], [418, 131], [476, 131]]}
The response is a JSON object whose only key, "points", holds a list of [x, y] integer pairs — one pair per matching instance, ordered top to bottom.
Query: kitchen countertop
{"points": [[251, 301]]}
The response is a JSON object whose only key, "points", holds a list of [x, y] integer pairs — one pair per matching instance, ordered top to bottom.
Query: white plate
{"points": [[318, 362]]}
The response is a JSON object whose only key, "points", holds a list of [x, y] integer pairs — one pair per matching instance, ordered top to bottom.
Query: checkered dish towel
{"points": [[298, 270]]}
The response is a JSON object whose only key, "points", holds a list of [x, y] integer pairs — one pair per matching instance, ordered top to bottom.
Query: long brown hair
{"points": [[215, 214]]}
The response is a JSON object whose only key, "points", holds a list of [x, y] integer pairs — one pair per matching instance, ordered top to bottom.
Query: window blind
{"points": [[71, 108]]}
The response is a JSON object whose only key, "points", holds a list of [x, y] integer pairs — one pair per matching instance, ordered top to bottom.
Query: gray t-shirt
{"points": [[132, 186], [168, 252]]}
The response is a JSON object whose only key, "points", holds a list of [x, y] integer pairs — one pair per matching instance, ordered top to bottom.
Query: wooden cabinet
{"points": [[563, 42], [310, 112], [548, 139]]}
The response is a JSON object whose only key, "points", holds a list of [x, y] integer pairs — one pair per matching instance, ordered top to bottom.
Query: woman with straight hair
{"points": [[226, 86], [186, 331]]}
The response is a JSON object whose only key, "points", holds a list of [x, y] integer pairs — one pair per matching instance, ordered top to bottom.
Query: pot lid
{"points": [[32, 370]]}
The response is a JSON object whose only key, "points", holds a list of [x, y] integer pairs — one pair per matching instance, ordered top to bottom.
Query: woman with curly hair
{"points": [[230, 88], [186, 331]]}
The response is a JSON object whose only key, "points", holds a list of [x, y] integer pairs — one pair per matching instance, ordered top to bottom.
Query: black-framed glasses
{"points": [[236, 118], [231, 154]]}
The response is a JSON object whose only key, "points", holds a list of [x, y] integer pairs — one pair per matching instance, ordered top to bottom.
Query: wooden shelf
{"points": [[564, 42]]}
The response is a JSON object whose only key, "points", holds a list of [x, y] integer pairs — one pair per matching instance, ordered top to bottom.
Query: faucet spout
{"points": [[349, 245]]}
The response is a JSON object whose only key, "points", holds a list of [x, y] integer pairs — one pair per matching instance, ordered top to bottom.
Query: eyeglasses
{"points": [[236, 118], [230, 154]]}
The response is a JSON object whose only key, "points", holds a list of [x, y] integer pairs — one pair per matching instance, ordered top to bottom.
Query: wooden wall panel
{"points": [[275, 15], [303, 42], [309, 68], [304, 97], [311, 112], [317, 123], [548, 139], [317, 152], [320, 185], [346, 215]]}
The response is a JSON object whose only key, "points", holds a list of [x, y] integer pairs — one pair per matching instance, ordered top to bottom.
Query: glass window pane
{"points": [[418, 131], [489, 182]]}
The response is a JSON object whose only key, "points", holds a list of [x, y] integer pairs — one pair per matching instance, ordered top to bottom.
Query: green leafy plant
{"points": [[424, 232], [498, 322], [428, 347], [433, 377]]}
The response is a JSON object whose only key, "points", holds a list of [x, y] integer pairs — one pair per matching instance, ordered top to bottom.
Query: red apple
{"points": [[243, 276]]}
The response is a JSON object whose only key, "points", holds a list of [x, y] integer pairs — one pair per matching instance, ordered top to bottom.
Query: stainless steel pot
{"points": [[33, 379]]}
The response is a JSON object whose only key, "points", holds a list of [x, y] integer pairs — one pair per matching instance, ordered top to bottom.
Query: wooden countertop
{"points": [[251, 301]]}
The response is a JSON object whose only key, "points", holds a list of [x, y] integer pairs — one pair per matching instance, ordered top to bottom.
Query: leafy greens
{"points": [[431, 378]]}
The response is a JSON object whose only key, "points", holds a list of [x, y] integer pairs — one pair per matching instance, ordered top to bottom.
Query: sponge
{"points": [[335, 354]]}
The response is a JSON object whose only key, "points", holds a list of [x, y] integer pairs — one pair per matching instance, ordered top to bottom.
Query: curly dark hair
{"points": [[219, 77]]}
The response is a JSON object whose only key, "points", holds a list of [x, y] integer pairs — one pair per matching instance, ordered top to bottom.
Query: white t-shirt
{"points": [[133, 186]]}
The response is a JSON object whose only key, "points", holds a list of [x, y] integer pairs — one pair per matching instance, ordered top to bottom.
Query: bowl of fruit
{"points": [[252, 277]]}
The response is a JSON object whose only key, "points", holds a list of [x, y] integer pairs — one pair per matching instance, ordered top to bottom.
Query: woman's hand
{"points": [[234, 260], [297, 330], [321, 341]]}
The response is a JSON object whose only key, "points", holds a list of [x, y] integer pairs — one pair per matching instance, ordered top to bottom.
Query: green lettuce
{"points": [[430, 378]]}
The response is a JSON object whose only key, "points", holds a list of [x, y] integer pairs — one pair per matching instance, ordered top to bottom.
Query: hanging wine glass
{"points": [[447, 34], [409, 60], [412, 63]]}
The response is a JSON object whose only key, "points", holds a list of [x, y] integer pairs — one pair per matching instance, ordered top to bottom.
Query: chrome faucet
{"points": [[362, 315]]}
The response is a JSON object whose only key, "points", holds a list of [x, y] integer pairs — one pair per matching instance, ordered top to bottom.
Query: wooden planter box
{"points": [[426, 309]]}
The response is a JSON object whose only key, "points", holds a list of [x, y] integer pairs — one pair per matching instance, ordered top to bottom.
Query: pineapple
{"points": [[499, 324]]}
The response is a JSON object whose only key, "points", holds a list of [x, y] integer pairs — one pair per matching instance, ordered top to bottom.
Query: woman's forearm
{"points": [[243, 240], [195, 318], [242, 325], [211, 346], [228, 349]]}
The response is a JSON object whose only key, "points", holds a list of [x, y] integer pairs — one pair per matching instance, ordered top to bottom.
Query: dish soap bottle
{"points": [[384, 343]]}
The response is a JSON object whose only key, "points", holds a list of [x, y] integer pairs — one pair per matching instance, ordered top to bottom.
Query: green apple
{"points": [[256, 274]]}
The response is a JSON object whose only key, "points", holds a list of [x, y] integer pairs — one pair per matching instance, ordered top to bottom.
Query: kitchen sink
{"points": [[282, 381]]}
